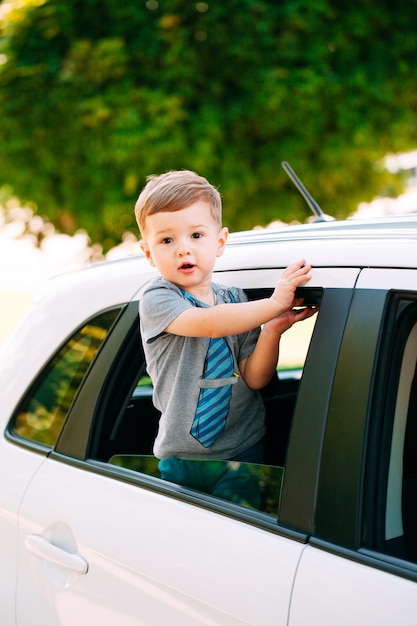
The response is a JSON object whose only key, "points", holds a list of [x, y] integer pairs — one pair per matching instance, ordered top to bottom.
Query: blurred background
{"points": [[95, 95]]}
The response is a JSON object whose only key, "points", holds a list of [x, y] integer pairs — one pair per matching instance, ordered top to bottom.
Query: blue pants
{"points": [[237, 480]]}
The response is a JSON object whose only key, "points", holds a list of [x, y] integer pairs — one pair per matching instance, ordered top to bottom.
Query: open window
{"points": [[129, 425]]}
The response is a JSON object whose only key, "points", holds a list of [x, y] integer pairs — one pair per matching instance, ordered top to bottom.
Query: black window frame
{"points": [[341, 480]]}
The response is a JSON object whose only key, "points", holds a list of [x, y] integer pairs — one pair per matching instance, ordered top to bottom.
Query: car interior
{"points": [[132, 435], [127, 440]]}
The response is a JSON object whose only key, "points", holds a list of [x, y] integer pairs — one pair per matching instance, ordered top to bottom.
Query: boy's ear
{"points": [[221, 240], [145, 249]]}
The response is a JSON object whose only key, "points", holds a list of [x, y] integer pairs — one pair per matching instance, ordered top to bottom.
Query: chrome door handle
{"points": [[45, 549]]}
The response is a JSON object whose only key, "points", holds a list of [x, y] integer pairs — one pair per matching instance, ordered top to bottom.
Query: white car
{"points": [[89, 532]]}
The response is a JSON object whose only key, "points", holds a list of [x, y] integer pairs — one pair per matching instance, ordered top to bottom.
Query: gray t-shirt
{"points": [[175, 365]]}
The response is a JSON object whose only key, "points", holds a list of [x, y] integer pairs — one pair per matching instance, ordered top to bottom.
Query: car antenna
{"points": [[320, 216]]}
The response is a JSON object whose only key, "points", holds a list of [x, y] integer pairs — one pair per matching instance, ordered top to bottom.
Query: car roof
{"points": [[396, 227], [380, 242], [385, 242]]}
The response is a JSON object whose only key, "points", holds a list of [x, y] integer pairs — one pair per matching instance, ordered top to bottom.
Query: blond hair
{"points": [[173, 191]]}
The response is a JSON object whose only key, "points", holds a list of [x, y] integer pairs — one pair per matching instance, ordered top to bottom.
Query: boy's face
{"points": [[183, 245]]}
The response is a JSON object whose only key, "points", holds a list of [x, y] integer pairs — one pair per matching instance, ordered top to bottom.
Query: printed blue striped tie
{"points": [[213, 402]]}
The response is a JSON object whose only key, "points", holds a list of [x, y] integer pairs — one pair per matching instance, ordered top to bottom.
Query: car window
{"points": [[43, 410], [127, 440], [246, 484], [395, 486]]}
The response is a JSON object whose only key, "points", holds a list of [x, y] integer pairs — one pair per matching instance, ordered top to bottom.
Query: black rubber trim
{"points": [[383, 562]]}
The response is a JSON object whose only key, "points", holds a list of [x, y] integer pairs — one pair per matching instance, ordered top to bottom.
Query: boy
{"points": [[183, 314]]}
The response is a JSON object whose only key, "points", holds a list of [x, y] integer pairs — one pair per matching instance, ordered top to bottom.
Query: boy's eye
{"points": [[197, 235], [167, 240]]}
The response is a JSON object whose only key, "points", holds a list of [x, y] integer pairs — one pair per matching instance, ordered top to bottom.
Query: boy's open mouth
{"points": [[186, 266]]}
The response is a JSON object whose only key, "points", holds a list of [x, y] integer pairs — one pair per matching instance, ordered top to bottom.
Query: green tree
{"points": [[97, 94]]}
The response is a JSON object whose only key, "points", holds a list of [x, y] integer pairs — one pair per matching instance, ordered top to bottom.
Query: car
{"points": [[91, 534]]}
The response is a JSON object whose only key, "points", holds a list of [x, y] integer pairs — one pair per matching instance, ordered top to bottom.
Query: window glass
{"points": [[43, 411], [402, 419], [133, 431], [247, 484], [396, 495], [401, 501]]}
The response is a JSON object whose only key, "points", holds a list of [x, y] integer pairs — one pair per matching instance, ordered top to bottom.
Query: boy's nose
{"points": [[183, 249]]}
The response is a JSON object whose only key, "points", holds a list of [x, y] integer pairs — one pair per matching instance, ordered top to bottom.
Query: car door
{"points": [[100, 543], [100, 546], [148, 558], [361, 564]]}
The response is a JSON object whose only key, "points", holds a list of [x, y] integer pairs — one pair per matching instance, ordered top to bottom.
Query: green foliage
{"points": [[96, 95]]}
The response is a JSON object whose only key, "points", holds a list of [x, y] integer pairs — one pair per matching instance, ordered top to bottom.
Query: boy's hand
{"points": [[291, 278], [283, 322]]}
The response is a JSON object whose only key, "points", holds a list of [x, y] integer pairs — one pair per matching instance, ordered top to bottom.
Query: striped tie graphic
{"points": [[213, 403]]}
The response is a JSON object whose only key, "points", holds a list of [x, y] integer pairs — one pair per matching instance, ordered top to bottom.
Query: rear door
{"points": [[101, 543], [152, 557]]}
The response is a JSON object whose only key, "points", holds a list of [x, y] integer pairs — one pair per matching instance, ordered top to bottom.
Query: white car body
{"points": [[84, 541]]}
